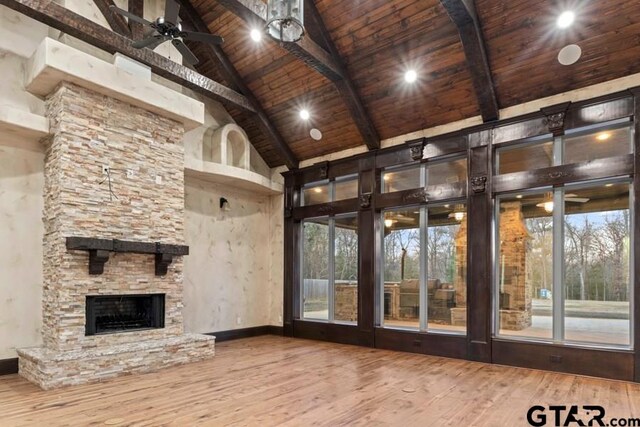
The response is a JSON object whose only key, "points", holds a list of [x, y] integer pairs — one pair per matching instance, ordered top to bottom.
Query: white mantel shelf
{"points": [[54, 62], [21, 125], [232, 176]]}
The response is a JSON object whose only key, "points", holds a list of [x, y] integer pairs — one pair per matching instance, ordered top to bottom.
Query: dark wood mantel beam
{"points": [[255, 13], [463, 15], [192, 18], [63, 19], [115, 21], [345, 86]]}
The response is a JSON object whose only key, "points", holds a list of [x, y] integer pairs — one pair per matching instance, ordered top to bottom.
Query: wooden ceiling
{"points": [[377, 40]]}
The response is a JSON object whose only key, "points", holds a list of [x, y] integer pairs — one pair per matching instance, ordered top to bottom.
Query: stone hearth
{"points": [[144, 153]]}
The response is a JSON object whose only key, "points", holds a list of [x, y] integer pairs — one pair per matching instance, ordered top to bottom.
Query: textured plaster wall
{"points": [[21, 232], [227, 275]]}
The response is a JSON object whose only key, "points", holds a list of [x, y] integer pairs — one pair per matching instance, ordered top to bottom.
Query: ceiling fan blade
{"points": [[171, 10], [131, 16], [202, 37], [151, 42], [187, 55], [577, 199]]}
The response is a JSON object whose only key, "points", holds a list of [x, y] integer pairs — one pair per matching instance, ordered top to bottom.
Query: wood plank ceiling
{"points": [[378, 40]]}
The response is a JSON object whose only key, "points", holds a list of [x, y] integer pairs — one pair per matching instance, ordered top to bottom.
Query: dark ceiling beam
{"points": [[137, 8], [254, 12], [463, 15], [192, 18], [62, 19], [115, 21], [329, 64], [345, 86]]}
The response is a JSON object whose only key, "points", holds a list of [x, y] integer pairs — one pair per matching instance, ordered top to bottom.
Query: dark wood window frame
{"points": [[478, 143]]}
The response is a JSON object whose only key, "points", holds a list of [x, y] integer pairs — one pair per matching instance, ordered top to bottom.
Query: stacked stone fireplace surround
{"points": [[144, 152]]}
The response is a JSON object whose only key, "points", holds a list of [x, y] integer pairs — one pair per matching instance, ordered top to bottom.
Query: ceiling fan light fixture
{"points": [[285, 20]]}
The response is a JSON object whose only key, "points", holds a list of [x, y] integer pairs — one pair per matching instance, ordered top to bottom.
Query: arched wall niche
{"points": [[228, 145]]}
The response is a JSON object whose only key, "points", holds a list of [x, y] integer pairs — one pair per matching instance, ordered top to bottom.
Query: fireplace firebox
{"points": [[107, 314]]}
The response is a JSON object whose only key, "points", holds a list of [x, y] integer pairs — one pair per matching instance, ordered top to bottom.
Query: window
{"points": [[615, 139], [608, 142], [524, 157], [448, 171], [315, 194], [596, 247], [563, 254], [563, 264], [330, 268], [424, 268], [524, 268], [315, 269]]}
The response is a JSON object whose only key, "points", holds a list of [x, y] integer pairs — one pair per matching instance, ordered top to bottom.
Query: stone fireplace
{"points": [[126, 316]]}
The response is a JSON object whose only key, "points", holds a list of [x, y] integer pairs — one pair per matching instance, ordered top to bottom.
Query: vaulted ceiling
{"points": [[472, 57]]}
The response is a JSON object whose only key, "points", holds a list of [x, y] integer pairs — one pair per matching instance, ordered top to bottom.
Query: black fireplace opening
{"points": [[121, 313]]}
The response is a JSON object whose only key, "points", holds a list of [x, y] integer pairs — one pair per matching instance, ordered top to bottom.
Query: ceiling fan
{"points": [[167, 28]]}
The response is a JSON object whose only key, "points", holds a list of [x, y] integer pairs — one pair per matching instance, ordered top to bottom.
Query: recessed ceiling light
{"points": [[565, 19], [256, 35], [569, 54], [410, 76], [304, 114], [315, 134], [603, 136], [387, 177], [609, 185], [318, 190], [519, 196]]}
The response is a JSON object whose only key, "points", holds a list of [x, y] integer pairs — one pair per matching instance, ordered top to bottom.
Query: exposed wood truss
{"points": [[137, 8], [255, 13], [463, 14], [191, 17], [62, 19], [115, 21], [329, 64], [345, 86]]}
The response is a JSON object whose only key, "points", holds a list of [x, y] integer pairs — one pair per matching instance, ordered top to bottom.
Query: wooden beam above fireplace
{"points": [[100, 250]]}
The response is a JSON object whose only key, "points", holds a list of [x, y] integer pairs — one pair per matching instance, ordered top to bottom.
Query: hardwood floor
{"points": [[270, 380]]}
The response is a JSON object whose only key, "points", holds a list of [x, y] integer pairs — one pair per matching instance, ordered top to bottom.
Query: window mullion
{"points": [[424, 244], [558, 265], [332, 270]]}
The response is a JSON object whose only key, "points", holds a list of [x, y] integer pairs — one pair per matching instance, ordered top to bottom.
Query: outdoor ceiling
{"points": [[378, 40]]}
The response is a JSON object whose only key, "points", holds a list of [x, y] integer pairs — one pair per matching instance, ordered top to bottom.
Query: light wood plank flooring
{"points": [[270, 380]]}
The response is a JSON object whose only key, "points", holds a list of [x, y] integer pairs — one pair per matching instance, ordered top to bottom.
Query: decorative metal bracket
{"points": [[555, 118], [416, 148], [323, 170], [479, 184], [417, 196], [365, 200], [100, 250]]}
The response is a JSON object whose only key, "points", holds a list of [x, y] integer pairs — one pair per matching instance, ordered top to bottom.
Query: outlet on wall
{"points": [[105, 169], [280, 318], [238, 320]]}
